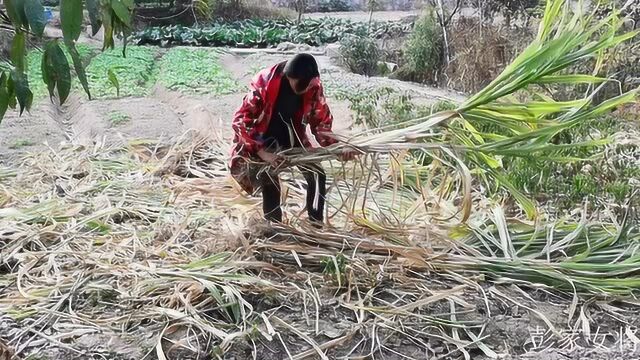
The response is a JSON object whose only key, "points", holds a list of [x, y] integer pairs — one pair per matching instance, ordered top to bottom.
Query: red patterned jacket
{"points": [[251, 121]]}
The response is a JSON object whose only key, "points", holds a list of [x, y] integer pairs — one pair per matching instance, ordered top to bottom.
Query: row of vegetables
{"points": [[269, 33]]}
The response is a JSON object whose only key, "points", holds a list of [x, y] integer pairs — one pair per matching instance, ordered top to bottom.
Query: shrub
{"points": [[514, 12], [423, 51], [480, 53], [360, 54]]}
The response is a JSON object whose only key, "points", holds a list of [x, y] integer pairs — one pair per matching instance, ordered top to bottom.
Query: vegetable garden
{"points": [[269, 33]]}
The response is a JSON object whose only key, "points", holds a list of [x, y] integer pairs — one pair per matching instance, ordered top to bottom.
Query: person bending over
{"points": [[283, 100]]}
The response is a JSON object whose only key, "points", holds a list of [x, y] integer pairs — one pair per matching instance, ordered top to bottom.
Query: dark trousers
{"points": [[316, 186]]}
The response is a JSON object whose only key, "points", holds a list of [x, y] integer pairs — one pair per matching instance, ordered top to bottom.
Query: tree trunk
{"points": [[447, 56]]}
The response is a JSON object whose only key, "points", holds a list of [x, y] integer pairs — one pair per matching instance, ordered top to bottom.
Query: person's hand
{"points": [[347, 155], [271, 158]]}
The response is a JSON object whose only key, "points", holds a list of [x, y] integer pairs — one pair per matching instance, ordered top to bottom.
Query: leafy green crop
{"points": [[265, 33], [195, 71], [135, 73]]}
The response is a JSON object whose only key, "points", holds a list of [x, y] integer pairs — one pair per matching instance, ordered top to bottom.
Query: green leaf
{"points": [[93, 7], [15, 11], [34, 12], [122, 12], [12, 13], [71, 19], [107, 22], [124, 43], [18, 48], [77, 65], [57, 70], [47, 75], [113, 79], [571, 79], [11, 90], [23, 94], [4, 95], [525, 203], [99, 227]]}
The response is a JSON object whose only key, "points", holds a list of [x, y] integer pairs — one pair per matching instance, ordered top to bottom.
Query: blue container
{"points": [[48, 15]]}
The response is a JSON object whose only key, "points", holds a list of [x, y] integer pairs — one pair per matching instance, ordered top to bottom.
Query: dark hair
{"points": [[302, 67]]}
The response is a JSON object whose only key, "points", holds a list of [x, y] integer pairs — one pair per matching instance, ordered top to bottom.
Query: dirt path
{"points": [[29, 132]]}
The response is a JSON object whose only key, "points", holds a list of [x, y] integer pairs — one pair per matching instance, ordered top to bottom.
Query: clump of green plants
{"points": [[269, 33], [423, 50], [360, 54], [195, 71], [135, 73], [377, 107], [118, 118], [21, 143], [335, 267]]}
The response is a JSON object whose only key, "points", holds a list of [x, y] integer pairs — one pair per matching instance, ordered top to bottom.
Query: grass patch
{"points": [[195, 71], [136, 72], [118, 118]]}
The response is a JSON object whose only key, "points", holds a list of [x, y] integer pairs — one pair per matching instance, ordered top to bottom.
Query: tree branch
{"points": [[455, 10]]}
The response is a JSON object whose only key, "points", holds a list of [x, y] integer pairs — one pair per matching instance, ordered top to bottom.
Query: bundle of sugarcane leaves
{"points": [[523, 128], [579, 257]]}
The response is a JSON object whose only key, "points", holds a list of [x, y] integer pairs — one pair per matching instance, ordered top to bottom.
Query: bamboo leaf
{"points": [[93, 8], [121, 11], [15, 12], [34, 12], [12, 13], [71, 19], [107, 23], [18, 49], [79, 67], [59, 70], [47, 72], [21, 86], [4, 95]]}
